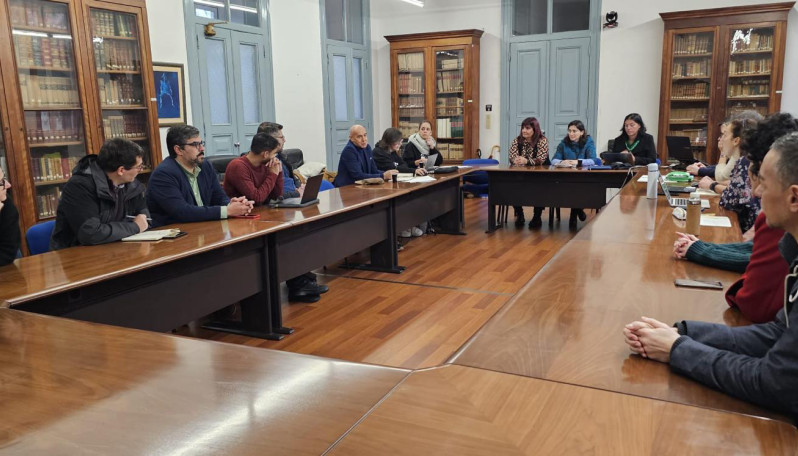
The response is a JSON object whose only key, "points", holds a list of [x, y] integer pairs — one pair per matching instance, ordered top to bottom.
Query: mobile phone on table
{"points": [[247, 216], [714, 285]]}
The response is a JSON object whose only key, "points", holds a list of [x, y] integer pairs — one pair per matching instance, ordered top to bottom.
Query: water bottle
{"points": [[653, 180], [694, 215]]}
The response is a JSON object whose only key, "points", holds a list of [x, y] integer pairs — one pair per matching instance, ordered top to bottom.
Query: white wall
{"points": [[392, 17], [168, 44], [631, 61], [298, 78]]}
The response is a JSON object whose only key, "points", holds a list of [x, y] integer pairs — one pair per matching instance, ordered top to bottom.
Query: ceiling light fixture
{"points": [[419, 3]]}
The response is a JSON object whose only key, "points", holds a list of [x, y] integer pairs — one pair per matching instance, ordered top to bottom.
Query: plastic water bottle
{"points": [[653, 177], [694, 215]]}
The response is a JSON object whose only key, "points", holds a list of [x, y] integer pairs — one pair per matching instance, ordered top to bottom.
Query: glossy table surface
{"points": [[549, 169], [53, 272], [566, 323], [71, 387], [457, 410]]}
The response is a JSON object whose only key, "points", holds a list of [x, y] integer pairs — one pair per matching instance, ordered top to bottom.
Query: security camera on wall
{"points": [[611, 20]]}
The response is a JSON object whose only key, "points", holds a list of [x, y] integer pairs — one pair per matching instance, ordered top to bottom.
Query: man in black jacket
{"points": [[102, 202], [757, 363]]}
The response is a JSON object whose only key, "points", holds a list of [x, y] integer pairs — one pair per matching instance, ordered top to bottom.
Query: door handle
{"points": [[237, 144]]}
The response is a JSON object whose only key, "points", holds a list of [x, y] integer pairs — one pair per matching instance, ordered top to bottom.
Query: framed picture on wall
{"points": [[170, 93]]}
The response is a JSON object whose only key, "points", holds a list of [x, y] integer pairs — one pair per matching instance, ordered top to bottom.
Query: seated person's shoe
{"points": [[580, 213], [519, 221], [572, 221], [536, 222], [416, 231], [405, 234], [321, 289], [307, 293]]}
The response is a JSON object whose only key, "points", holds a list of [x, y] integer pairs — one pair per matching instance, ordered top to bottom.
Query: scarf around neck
{"points": [[420, 143]]}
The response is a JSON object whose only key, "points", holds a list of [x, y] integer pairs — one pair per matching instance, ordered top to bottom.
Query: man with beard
{"points": [[184, 187]]}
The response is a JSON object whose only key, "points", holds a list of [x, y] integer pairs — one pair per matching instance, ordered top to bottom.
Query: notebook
{"points": [[155, 235]]}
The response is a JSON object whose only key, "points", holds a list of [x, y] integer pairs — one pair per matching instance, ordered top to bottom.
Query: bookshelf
{"points": [[716, 63], [82, 76], [435, 76]]}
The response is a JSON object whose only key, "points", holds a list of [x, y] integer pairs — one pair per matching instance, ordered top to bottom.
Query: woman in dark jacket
{"points": [[420, 146], [637, 146], [386, 154], [9, 224]]}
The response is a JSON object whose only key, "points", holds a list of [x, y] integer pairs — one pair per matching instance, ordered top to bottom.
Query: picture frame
{"points": [[170, 93]]}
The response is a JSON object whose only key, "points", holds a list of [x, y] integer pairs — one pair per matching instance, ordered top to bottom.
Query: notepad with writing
{"points": [[154, 235]]}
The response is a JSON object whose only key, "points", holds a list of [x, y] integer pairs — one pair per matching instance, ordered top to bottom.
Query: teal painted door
{"points": [[348, 81], [529, 82]]}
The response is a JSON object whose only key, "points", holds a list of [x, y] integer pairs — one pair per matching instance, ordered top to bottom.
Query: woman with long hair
{"points": [[634, 143], [577, 145], [530, 148]]}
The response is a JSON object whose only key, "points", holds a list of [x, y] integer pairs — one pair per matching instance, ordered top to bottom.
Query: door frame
{"points": [[506, 136]]}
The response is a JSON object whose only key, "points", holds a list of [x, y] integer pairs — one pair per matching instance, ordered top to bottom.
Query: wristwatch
{"points": [[712, 186]]}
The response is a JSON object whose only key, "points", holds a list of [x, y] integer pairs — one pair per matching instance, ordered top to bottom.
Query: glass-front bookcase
{"points": [[718, 63], [410, 91]]}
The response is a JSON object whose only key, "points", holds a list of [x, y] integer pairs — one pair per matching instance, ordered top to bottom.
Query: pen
{"points": [[134, 216]]}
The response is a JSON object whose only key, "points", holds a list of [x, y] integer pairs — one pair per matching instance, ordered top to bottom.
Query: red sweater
{"points": [[258, 184], [759, 293]]}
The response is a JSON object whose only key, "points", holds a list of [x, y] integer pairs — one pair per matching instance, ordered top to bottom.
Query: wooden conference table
{"points": [[549, 186], [160, 286], [566, 324]]}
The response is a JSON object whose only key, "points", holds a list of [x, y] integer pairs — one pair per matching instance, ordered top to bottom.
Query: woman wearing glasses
{"points": [[9, 223]]}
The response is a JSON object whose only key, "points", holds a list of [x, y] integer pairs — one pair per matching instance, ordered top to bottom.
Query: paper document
{"points": [[404, 177], [643, 178], [420, 179], [702, 192], [715, 220], [153, 235]]}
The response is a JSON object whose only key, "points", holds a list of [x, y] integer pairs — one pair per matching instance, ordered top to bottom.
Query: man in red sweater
{"points": [[258, 174]]}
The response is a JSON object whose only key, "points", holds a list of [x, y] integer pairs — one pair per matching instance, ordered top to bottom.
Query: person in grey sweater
{"points": [[756, 363]]}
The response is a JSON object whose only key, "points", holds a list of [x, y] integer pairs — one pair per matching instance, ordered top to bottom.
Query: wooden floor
{"points": [[452, 286]]}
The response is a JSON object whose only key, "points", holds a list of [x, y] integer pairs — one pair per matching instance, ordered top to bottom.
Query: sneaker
{"points": [[416, 231], [405, 234]]}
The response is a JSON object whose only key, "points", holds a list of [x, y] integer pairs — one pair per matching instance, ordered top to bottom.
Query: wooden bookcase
{"points": [[716, 63], [76, 72], [435, 76]]}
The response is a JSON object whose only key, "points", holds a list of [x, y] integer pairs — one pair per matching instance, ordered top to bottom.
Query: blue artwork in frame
{"points": [[169, 93]]}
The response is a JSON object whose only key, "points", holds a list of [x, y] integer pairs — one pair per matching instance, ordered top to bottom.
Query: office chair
{"points": [[476, 183], [326, 185], [38, 237]]}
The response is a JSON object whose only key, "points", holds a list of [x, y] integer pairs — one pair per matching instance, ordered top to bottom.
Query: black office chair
{"points": [[220, 163]]}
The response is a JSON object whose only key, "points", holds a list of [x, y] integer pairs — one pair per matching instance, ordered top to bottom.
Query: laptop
{"points": [[679, 148], [614, 157], [430, 164], [309, 197], [678, 201]]}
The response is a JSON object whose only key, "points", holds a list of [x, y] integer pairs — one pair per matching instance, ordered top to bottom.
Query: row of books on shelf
{"points": [[48, 15], [107, 23], [755, 41], [692, 44], [42, 51], [117, 55], [411, 62], [450, 64], [751, 66], [693, 69], [450, 81], [409, 83], [746, 88], [39, 90], [691, 90], [119, 91], [411, 102], [449, 102], [737, 108], [449, 111], [411, 112], [689, 114], [53, 126], [125, 126], [407, 127], [449, 128], [698, 136], [450, 151], [53, 167], [47, 201]]}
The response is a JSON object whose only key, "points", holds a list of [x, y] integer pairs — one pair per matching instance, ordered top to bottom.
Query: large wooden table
{"points": [[549, 186], [566, 324], [71, 387]]}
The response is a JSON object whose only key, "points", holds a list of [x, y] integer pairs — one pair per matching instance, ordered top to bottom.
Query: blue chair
{"points": [[476, 183], [326, 185], [38, 237]]}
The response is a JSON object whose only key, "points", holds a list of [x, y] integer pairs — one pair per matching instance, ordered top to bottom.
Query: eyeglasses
{"points": [[196, 144], [139, 168]]}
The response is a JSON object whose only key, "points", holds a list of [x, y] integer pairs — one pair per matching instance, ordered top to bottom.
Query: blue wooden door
{"points": [[529, 81], [568, 87], [348, 104]]}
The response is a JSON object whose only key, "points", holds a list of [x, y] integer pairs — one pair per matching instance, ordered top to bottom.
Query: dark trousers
{"points": [[519, 211]]}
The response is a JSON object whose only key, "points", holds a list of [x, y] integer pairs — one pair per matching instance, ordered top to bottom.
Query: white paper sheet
{"points": [[715, 220]]}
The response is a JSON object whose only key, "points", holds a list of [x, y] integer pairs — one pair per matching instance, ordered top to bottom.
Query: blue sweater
{"points": [[573, 152], [355, 164], [170, 199]]}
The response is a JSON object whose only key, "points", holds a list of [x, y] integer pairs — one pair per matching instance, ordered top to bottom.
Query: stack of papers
{"points": [[420, 179], [715, 220], [154, 235]]}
